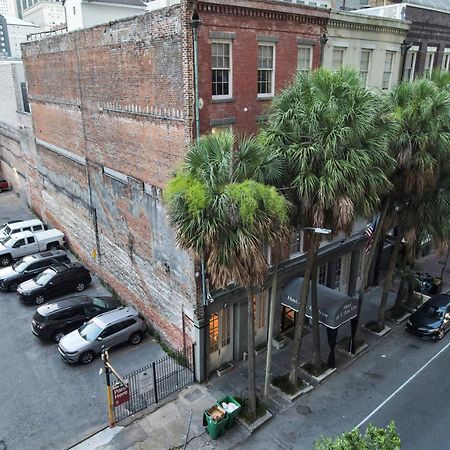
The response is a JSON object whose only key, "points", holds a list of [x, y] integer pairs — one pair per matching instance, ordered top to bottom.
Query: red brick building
{"points": [[113, 114]]}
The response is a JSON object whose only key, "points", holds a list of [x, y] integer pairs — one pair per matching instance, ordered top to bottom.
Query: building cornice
{"points": [[266, 10], [333, 23]]}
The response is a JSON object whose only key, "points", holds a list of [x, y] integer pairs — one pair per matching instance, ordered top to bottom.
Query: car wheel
{"points": [[53, 246], [5, 261], [13, 287], [80, 287], [39, 299], [440, 334], [58, 335], [135, 338], [86, 358]]}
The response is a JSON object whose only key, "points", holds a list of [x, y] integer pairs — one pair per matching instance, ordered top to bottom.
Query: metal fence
{"points": [[157, 380]]}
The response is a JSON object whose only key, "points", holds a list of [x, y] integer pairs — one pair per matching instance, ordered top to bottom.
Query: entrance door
{"points": [[260, 302], [220, 338]]}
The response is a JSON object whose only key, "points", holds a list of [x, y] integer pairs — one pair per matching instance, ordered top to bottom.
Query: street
{"points": [[370, 387], [45, 403]]}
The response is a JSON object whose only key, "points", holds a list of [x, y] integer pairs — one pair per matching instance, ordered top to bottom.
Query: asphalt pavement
{"points": [[44, 402]]}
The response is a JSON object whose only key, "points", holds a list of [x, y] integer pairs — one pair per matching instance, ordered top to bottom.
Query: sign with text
{"points": [[121, 394]]}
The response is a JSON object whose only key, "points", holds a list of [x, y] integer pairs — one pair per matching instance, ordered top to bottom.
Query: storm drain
{"points": [[303, 410]]}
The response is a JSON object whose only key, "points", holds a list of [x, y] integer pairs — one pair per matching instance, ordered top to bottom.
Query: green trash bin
{"points": [[233, 414], [214, 427]]}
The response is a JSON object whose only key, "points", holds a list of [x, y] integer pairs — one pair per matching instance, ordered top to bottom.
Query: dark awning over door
{"points": [[335, 308]]}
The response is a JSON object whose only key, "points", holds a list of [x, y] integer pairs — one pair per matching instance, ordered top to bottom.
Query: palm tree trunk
{"points": [[445, 265], [366, 269], [388, 279], [273, 299], [315, 316], [300, 321], [251, 356]]}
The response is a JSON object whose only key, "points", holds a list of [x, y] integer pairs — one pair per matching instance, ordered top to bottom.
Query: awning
{"points": [[335, 308]]}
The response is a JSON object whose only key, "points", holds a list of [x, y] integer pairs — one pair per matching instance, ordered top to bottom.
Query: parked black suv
{"points": [[29, 267], [55, 281], [57, 318]]}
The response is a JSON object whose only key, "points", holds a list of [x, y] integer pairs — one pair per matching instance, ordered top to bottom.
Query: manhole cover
{"points": [[303, 410]]}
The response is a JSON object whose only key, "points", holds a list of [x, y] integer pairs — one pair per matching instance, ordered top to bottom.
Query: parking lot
{"points": [[46, 403]]}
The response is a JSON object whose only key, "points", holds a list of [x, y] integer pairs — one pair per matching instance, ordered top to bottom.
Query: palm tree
{"points": [[333, 133], [421, 147], [222, 212]]}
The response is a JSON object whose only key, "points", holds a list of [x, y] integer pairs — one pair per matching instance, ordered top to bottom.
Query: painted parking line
{"points": [[402, 386]]}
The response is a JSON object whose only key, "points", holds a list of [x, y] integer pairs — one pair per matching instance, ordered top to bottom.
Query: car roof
{"points": [[24, 223], [44, 255], [62, 267], [439, 300], [63, 303], [115, 315]]}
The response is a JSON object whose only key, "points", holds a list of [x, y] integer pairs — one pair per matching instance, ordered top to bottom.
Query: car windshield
{"points": [[8, 241], [20, 266], [44, 277], [99, 302], [431, 311], [89, 331]]}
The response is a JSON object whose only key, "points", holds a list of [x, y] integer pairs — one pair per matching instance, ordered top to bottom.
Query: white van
{"points": [[9, 228]]}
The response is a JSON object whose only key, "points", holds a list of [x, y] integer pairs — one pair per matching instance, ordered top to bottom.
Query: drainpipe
{"points": [[195, 24], [323, 40]]}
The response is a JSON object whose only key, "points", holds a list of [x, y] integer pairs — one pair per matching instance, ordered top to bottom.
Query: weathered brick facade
{"points": [[109, 114]]}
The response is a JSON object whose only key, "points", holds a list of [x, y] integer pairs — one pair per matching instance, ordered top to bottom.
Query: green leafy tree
{"points": [[333, 133], [223, 212], [374, 439]]}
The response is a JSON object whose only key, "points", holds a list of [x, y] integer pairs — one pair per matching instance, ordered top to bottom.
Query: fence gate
{"points": [[157, 380]]}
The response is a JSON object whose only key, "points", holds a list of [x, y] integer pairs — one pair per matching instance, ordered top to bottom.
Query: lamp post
{"points": [[323, 40], [404, 47]]}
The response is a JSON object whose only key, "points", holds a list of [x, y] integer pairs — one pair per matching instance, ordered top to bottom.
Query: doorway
{"points": [[220, 344]]}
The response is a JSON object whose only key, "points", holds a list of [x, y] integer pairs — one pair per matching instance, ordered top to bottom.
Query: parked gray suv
{"points": [[104, 331]]}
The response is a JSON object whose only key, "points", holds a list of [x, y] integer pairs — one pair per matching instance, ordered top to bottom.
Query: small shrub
{"points": [[374, 326], [286, 386]]}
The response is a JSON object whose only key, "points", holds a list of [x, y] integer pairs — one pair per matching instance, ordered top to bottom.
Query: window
{"points": [[74, 11], [338, 58], [304, 59], [446, 59], [429, 61], [388, 64], [410, 65], [364, 66], [221, 69], [266, 70], [24, 91], [37, 228], [26, 229], [31, 240], [19, 243], [297, 243], [322, 274], [338, 274], [259, 309], [226, 327], [214, 333]]}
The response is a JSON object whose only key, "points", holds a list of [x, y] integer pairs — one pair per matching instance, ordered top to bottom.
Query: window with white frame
{"points": [[304, 58], [338, 58], [446, 59], [429, 62], [410, 65], [364, 66], [221, 69], [266, 70], [387, 73], [297, 243], [322, 274], [338, 274]]}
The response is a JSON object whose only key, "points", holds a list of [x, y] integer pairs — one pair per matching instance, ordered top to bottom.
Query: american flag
{"points": [[370, 233]]}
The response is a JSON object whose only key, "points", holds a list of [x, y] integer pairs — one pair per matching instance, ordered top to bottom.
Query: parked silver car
{"points": [[105, 330]]}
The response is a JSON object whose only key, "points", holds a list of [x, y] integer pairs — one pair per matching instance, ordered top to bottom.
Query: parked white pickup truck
{"points": [[26, 243]]}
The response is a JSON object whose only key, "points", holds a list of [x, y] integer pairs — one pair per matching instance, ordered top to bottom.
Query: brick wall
{"points": [[286, 24], [111, 118]]}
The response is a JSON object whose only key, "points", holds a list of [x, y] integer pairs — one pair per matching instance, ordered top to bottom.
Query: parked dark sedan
{"points": [[29, 267], [57, 280], [57, 318], [432, 319]]}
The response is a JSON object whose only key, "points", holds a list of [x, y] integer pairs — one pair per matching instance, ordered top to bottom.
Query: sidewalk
{"points": [[166, 428]]}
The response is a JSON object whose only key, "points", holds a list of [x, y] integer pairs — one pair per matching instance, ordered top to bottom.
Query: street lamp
{"points": [[323, 40], [404, 47]]}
